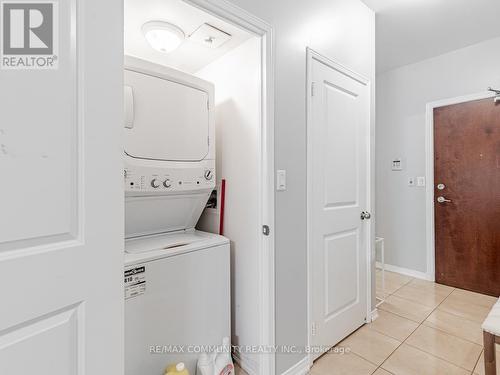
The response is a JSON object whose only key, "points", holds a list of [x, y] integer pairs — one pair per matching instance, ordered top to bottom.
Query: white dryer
{"points": [[169, 148], [177, 279]]}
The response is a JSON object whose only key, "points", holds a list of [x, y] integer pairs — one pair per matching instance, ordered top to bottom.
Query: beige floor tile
{"points": [[394, 277], [393, 281], [430, 285], [389, 287], [380, 292], [380, 295], [426, 296], [474, 298], [458, 305], [406, 308], [393, 325], [456, 326], [371, 345], [442, 345], [407, 360], [342, 364], [479, 369], [381, 371]]}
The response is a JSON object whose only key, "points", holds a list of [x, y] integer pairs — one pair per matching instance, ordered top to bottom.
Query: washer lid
{"points": [[165, 120], [148, 248]]}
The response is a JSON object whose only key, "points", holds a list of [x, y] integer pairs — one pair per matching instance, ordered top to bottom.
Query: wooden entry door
{"points": [[467, 195]]}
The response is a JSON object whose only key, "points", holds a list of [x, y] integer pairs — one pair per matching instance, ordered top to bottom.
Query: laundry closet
{"points": [[192, 184]]}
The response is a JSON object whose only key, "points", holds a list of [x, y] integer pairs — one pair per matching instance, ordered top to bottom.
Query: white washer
{"points": [[177, 279], [176, 298]]}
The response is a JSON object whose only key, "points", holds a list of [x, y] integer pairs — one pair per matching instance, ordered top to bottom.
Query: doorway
{"points": [[241, 71], [338, 182], [465, 193]]}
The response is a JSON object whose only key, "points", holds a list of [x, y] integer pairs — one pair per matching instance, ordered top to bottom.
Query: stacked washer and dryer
{"points": [[177, 279]]}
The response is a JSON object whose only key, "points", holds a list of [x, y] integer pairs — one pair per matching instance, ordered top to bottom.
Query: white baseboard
{"points": [[406, 271], [247, 363], [300, 368]]}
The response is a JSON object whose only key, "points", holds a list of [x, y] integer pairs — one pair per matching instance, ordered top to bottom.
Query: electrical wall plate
{"points": [[209, 36], [397, 164]]}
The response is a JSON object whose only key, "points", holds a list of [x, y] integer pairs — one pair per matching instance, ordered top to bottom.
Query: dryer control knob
{"points": [[208, 175], [155, 183], [167, 183]]}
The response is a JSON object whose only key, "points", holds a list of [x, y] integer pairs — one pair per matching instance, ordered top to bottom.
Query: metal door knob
{"points": [[443, 200], [365, 215]]}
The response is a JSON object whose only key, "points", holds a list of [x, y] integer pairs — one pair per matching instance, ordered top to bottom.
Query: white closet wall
{"points": [[237, 79]]}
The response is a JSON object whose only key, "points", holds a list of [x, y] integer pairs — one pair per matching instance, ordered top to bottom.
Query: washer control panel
{"points": [[150, 180]]}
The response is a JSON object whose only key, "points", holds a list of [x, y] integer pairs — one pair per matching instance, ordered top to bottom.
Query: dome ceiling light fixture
{"points": [[162, 36]]}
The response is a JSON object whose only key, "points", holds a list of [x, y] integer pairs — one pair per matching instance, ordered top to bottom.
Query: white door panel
{"points": [[338, 145], [341, 149], [61, 199], [340, 264], [60, 329]]}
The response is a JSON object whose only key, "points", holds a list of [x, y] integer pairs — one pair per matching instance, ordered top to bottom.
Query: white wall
{"points": [[343, 30], [237, 81], [402, 95]]}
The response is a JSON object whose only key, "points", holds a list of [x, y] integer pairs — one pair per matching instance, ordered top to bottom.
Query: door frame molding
{"points": [[240, 17], [310, 56], [429, 172]]}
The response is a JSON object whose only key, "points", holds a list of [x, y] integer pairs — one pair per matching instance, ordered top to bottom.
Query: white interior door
{"points": [[338, 134], [61, 196]]}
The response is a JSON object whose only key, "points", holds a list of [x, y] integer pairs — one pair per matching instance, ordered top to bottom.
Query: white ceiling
{"points": [[413, 30], [190, 56]]}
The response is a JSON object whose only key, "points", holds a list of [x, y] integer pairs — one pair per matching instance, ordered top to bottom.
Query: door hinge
{"points": [[313, 88], [208, 105], [265, 230], [313, 329]]}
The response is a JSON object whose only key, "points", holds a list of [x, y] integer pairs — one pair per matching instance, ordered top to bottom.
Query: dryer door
{"points": [[165, 120]]}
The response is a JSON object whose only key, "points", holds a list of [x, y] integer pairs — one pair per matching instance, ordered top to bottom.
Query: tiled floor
{"points": [[423, 328]]}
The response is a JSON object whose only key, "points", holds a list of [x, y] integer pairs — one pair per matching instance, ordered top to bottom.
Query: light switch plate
{"points": [[281, 180], [420, 181]]}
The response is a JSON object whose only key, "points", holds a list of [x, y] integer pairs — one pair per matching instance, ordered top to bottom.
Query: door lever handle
{"points": [[443, 200], [365, 215]]}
